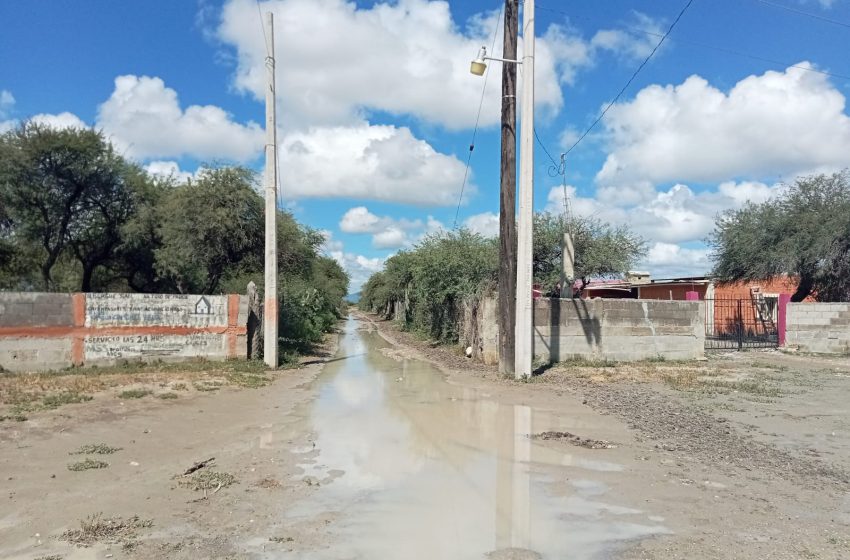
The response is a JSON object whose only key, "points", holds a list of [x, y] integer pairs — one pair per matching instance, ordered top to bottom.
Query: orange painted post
{"points": [[78, 306], [782, 317], [232, 326]]}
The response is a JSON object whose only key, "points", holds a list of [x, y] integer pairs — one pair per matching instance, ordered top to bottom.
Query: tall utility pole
{"points": [[507, 197], [524, 299], [270, 307]]}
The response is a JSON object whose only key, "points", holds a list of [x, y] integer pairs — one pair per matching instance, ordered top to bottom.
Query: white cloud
{"points": [[630, 44], [337, 61], [7, 101], [144, 117], [62, 120], [772, 124], [370, 162], [168, 169], [675, 215], [666, 218], [486, 224], [387, 232], [391, 238], [667, 260], [358, 267]]}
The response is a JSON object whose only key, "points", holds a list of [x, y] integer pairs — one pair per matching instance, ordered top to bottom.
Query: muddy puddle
{"points": [[410, 466]]}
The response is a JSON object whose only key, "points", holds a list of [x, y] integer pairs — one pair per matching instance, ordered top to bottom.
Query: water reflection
{"points": [[436, 471]]}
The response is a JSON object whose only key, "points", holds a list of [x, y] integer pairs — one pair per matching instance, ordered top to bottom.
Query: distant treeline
{"points": [[75, 215]]}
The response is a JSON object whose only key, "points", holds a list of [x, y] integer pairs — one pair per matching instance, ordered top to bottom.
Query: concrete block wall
{"points": [[822, 328], [34, 329], [614, 330], [42, 332]]}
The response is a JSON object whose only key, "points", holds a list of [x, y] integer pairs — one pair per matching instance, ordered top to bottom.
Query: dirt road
{"points": [[378, 454]]}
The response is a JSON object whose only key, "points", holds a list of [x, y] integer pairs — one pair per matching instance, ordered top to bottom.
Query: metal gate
{"points": [[738, 323]]}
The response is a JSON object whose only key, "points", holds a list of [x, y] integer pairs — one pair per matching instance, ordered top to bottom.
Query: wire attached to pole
{"points": [[477, 120]]}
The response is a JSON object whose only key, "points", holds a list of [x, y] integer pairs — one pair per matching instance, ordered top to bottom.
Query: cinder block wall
{"points": [[822, 328], [34, 329], [614, 329], [42, 332]]}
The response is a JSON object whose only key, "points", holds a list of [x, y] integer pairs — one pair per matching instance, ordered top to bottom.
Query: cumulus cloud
{"points": [[628, 43], [326, 48], [7, 101], [144, 118], [62, 120], [776, 123], [369, 162], [168, 169], [675, 215], [486, 224], [388, 232], [670, 260], [358, 267]]}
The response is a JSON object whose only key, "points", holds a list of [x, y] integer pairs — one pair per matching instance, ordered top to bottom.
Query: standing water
{"points": [[413, 467]]}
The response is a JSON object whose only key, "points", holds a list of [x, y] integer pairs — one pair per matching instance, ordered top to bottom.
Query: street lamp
{"points": [[524, 301]]}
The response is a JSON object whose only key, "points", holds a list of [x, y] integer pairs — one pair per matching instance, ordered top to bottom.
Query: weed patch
{"points": [[248, 379], [206, 385], [134, 393], [167, 396], [13, 417], [95, 449], [86, 465], [208, 480], [97, 529]]}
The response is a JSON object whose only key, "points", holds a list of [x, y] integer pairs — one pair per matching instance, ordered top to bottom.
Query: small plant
{"points": [[249, 380], [207, 385], [179, 387], [134, 393], [167, 396], [67, 397], [16, 417], [95, 449], [88, 464], [209, 480], [97, 529]]}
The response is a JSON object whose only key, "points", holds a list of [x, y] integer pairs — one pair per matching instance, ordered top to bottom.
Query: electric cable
{"points": [[477, 120]]}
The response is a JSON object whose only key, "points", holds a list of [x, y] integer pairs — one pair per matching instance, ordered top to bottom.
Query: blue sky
{"points": [[377, 107]]}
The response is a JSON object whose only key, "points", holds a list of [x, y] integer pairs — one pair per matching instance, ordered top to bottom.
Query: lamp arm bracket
{"points": [[502, 60]]}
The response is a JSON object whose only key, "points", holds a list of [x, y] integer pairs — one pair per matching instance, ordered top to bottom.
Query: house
{"points": [[203, 307]]}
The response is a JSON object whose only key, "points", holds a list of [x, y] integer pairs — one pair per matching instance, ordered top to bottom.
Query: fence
{"points": [[737, 323]]}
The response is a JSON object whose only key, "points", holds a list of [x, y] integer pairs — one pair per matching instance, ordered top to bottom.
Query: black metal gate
{"points": [[738, 323]]}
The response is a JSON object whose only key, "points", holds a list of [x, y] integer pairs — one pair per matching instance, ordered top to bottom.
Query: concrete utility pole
{"points": [[507, 197], [568, 271], [524, 300], [270, 307]]}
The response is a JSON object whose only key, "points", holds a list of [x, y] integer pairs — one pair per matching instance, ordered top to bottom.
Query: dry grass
{"points": [[637, 372], [31, 392], [134, 393], [167, 396], [95, 449], [86, 465], [208, 480], [113, 530]]}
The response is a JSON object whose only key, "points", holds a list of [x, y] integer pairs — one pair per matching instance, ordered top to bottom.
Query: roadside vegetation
{"points": [[75, 215], [803, 232], [429, 287], [22, 394]]}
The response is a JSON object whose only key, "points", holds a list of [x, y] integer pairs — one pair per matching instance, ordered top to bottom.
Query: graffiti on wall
{"points": [[153, 310], [153, 346]]}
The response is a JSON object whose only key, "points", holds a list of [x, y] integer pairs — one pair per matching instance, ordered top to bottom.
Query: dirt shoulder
{"points": [[756, 444], [99, 473]]}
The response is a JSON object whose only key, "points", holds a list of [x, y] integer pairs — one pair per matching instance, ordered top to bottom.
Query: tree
{"points": [[66, 189], [208, 228], [803, 233], [601, 250]]}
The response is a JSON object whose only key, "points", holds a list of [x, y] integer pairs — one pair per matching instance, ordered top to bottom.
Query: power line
{"points": [[804, 13], [709, 46], [632, 78], [477, 120]]}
